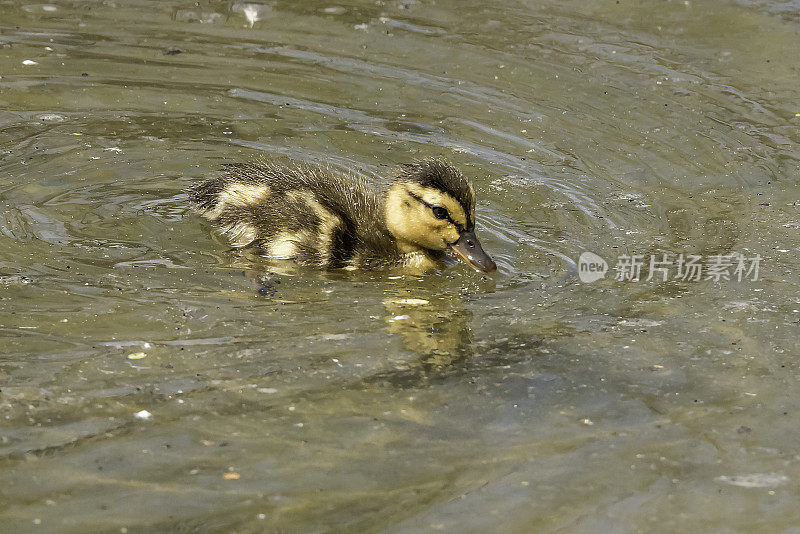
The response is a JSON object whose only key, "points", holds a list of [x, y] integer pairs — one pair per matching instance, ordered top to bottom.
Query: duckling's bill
{"points": [[469, 250]]}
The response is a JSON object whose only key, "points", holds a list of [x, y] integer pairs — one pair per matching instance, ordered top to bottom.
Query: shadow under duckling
{"points": [[318, 218]]}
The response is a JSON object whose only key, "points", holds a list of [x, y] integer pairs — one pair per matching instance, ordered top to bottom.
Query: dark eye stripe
{"points": [[459, 227]]}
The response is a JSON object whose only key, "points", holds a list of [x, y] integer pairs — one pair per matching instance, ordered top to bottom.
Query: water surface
{"points": [[525, 401]]}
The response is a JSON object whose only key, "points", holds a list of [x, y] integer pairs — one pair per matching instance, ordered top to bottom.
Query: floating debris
{"points": [[43, 7], [252, 12], [203, 17], [30, 62], [50, 117], [14, 279], [410, 302], [137, 356], [144, 415], [231, 476], [756, 480]]}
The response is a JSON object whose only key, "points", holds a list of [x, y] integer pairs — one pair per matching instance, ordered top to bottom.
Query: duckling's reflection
{"points": [[434, 325], [438, 328]]}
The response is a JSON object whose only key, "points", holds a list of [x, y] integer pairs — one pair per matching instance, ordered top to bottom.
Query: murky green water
{"points": [[522, 402]]}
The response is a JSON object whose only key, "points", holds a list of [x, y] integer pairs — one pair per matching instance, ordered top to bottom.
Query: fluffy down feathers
{"points": [[302, 213], [324, 219]]}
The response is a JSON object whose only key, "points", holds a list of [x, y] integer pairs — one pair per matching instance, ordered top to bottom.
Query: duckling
{"points": [[323, 219]]}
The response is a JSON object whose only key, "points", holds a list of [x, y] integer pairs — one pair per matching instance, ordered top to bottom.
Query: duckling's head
{"points": [[430, 206]]}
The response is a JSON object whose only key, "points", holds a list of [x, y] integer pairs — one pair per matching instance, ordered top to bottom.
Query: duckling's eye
{"points": [[439, 212]]}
